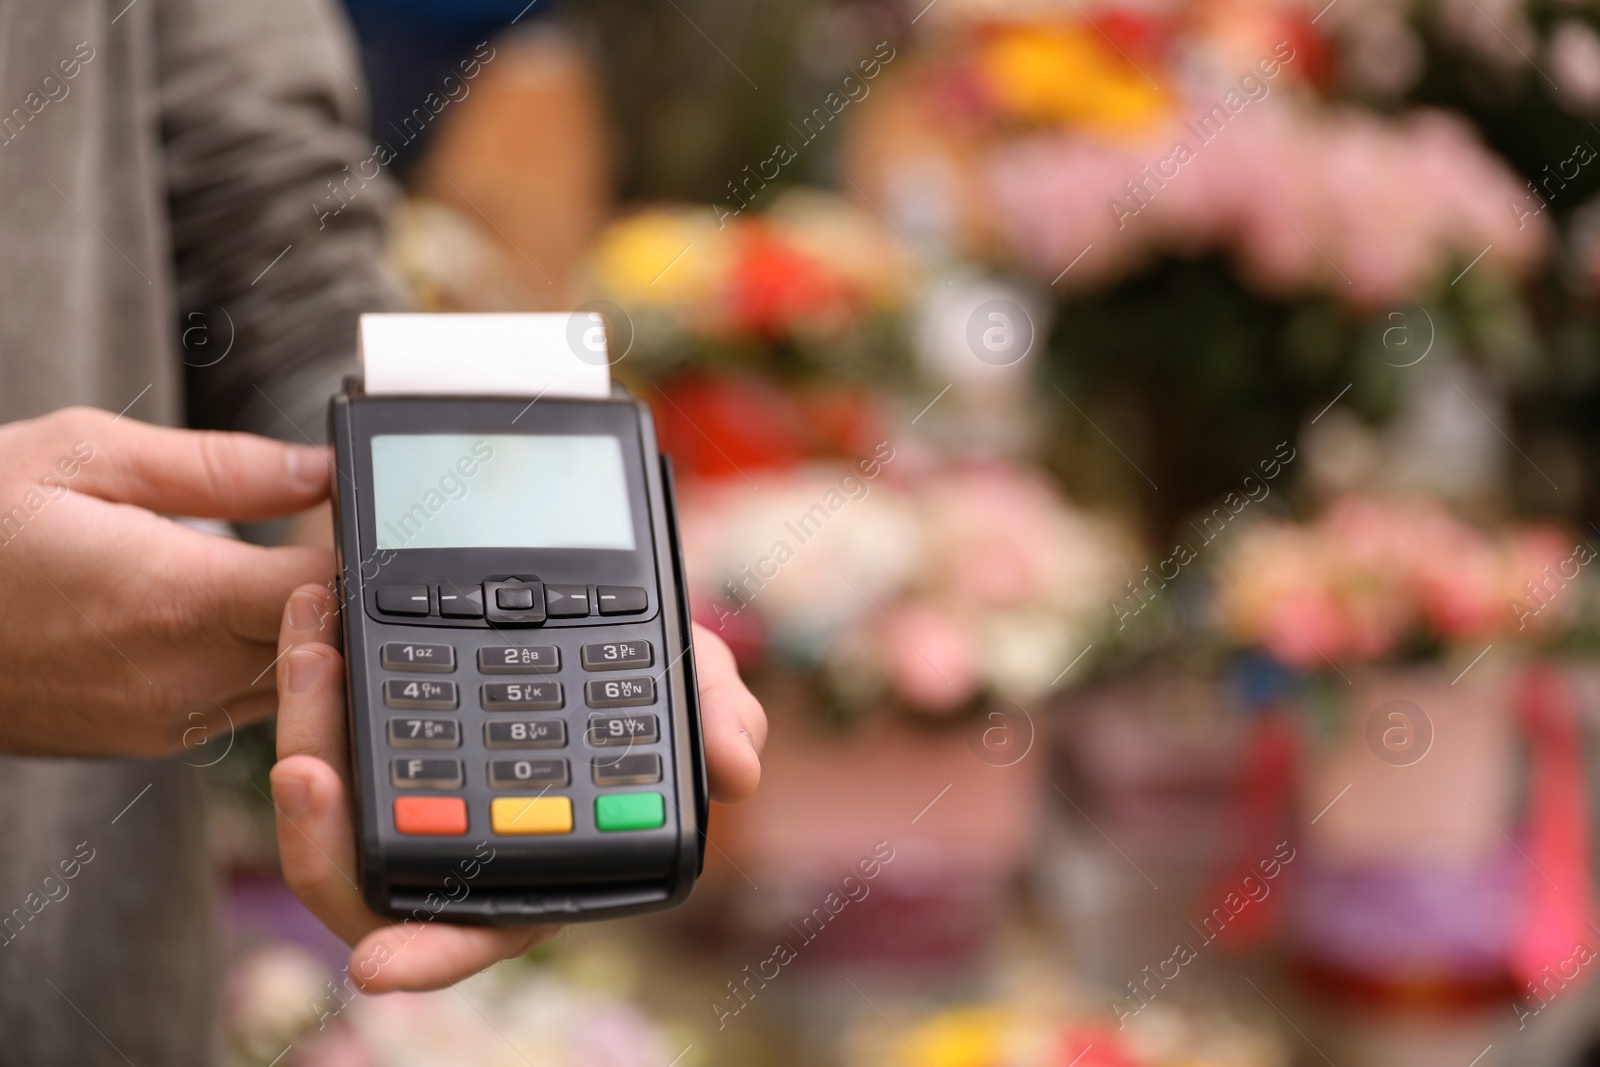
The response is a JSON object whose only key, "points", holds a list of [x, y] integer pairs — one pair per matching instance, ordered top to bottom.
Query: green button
{"points": [[630, 811]]}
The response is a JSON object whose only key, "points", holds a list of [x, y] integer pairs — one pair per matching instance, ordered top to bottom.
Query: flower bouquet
{"points": [[814, 288], [1374, 580], [885, 589], [1438, 865]]}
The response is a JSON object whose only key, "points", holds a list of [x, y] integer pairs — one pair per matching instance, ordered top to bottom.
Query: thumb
{"points": [[202, 473]]}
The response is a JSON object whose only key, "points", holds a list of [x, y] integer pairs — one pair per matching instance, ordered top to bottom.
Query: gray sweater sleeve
{"points": [[276, 204]]}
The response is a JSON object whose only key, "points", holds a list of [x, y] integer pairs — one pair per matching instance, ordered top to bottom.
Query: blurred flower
{"points": [[1496, 30], [1574, 51], [1383, 56], [1045, 73], [1367, 209], [853, 242], [670, 257], [812, 287], [776, 288], [726, 426], [1371, 575], [938, 585], [931, 659], [270, 999], [499, 1019], [1058, 1026], [959, 1037], [338, 1046]]}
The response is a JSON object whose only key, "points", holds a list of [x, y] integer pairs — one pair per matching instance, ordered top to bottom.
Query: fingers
{"points": [[204, 473], [249, 585], [310, 614], [311, 712], [731, 719], [316, 842], [316, 845], [437, 954]]}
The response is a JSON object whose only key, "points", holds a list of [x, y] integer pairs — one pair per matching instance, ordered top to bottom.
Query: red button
{"points": [[435, 816]]}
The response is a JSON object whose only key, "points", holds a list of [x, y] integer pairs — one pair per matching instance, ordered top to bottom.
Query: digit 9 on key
{"points": [[510, 575]]}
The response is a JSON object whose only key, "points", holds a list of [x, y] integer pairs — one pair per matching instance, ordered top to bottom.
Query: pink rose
{"points": [[933, 661]]}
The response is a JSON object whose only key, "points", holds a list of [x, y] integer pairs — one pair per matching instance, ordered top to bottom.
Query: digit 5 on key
{"points": [[515, 625]]}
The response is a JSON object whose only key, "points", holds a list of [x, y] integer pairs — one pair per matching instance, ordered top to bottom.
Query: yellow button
{"points": [[531, 815]]}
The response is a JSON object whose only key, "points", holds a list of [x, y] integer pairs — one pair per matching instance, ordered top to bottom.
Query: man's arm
{"points": [[277, 208]]}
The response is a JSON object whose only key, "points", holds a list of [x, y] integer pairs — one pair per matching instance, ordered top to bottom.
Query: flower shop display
{"points": [[1139, 132], [1318, 204], [1232, 235], [812, 288], [1375, 579], [903, 583], [905, 620], [1438, 868], [285, 1006], [1053, 1023]]}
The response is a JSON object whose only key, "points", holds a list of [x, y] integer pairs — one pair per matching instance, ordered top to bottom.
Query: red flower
{"points": [[1136, 35], [775, 290], [728, 426]]}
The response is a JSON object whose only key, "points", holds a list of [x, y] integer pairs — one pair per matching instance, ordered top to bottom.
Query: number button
{"points": [[617, 655], [404, 656], [519, 659], [619, 692], [415, 694], [521, 696], [608, 730], [424, 733], [529, 733], [633, 768], [415, 772], [523, 773]]}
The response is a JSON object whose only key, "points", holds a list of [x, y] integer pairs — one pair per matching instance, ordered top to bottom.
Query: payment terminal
{"points": [[524, 724]]}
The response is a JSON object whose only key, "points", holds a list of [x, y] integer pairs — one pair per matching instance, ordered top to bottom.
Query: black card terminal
{"points": [[522, 700]]}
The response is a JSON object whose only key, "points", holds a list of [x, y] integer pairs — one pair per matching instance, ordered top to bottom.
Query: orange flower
{"points": [[1066, 74]]}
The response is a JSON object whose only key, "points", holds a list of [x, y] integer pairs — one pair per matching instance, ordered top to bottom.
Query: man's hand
{"points": [[127, 633], [316, 841]]}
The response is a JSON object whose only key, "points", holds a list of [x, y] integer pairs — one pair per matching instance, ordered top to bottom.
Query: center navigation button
{"points": [[513, 599], [514, 602]]}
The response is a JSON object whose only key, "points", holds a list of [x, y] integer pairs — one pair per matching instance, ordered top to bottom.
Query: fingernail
{"points": [[308, 467], [305, 611], [305, 667], [750, 741], [291, 795]]}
